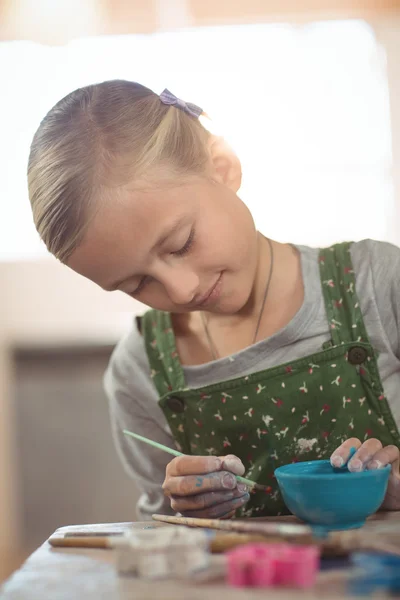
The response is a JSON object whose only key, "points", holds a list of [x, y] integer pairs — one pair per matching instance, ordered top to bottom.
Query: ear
{"points": [[226, 167]]}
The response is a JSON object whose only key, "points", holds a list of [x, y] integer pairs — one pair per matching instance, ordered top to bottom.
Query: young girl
{"points": [[254, 353]]}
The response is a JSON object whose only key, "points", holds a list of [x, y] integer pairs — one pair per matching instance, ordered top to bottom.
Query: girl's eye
{"points": [[186, 247], [145, 280]]}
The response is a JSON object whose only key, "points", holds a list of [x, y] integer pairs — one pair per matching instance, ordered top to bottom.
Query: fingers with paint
{"points": [[370, 455], [339, 463], [205, 486]]}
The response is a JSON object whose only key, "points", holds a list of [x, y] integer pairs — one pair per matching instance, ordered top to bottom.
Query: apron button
{"points": [[357, 355], [175, 404]]}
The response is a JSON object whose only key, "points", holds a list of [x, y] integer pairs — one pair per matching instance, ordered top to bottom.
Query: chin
{"points": [[229, 306]]}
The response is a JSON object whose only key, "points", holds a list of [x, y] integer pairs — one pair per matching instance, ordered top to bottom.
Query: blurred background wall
{"points": [[308, 93]]}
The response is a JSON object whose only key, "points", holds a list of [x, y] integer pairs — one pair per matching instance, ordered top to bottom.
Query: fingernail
{"points": [[337, 461], [375, 464], [234, 465], [355, 465], [228, 481], [242, 487]]}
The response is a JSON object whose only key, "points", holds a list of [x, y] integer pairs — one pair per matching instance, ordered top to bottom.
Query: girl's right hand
{"points": [[205, 486]]}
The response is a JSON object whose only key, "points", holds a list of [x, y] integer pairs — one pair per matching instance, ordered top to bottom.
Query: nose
{"points": [[181, 285]]}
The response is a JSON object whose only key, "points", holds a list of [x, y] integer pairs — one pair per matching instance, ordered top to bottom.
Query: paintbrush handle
{"points": [[152, 443], [249, 482], [269, 529], [351, 541], [81, 542], [223, 542], [220, 543]]}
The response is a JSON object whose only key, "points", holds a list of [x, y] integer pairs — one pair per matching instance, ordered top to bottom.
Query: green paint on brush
{"points": [[251, 484]]}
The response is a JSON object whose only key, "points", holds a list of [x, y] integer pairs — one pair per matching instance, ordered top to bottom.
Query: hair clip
{"points": [[190, 109]]}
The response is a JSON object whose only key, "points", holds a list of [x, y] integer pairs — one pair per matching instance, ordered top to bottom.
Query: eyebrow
{"points": [[176, 225]]}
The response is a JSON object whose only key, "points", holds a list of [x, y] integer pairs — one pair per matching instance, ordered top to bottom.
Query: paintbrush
{"points": [[252, 484], [290, 531], [107, 541]]}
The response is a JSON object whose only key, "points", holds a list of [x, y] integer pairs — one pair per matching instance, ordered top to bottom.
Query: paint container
{"points": [[163, 553], [188, 554], [125, 558], [152, 562], [265, 565], [250, 566], [297, 566], [263, 570], [374, 572]]}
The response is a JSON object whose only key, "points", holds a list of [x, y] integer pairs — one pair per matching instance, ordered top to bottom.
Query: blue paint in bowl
{"points": [[329, 500]]}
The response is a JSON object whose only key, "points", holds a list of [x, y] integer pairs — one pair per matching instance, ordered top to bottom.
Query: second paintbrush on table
{"points": [[252, 484]]}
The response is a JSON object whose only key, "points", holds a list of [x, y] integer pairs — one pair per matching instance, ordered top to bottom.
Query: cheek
{"points": [[225, 247], [155, 297]]}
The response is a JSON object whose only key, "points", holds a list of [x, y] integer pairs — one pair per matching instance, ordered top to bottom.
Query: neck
{"points": [[263, 269], [252, 307]]}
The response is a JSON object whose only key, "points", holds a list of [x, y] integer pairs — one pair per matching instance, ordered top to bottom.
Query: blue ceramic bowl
{"points": [[317, 495]]}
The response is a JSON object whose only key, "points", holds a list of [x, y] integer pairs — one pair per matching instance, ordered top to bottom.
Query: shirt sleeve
{"points": [[379, 262], [133, 405]]}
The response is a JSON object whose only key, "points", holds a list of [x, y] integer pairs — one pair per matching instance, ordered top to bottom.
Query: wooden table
{"points": [[61, 574]]}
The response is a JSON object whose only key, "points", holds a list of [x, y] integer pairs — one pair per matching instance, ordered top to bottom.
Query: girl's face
{"points": [[181, 249]]}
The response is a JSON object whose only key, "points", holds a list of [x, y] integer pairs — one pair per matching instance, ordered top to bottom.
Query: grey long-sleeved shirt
{"points": [[133, 397]]}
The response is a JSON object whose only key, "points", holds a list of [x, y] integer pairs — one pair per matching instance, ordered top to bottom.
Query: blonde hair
{"points": [[99, 137]]}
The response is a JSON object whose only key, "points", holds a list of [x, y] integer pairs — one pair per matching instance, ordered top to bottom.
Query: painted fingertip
{"points": [[337, 461], [375, 464], [355, 466], [228, 481], [242, 487]]}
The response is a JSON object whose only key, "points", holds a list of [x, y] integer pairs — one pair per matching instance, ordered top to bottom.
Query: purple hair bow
{"points": [[168, 98]]}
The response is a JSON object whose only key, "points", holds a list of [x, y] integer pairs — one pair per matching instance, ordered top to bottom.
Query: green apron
{"points": [[297, 411]]}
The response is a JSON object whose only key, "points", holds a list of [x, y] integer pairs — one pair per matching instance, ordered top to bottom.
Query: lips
{"points": [[208, 296]]}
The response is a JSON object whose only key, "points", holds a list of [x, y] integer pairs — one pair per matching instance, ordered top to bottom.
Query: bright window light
{"points": [[306, 108]]}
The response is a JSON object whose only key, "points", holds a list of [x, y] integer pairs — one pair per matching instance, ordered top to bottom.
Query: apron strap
{"points": [[339, 290], [165, 367]]}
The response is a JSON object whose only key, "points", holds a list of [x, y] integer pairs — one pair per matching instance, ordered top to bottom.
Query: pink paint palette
{"points": [[267, 565]]}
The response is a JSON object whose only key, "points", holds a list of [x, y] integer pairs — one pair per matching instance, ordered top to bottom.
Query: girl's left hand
{"points": [[372, 455]]}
